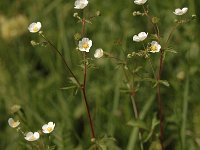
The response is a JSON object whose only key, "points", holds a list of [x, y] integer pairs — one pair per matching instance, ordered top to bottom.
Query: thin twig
{"points": [[62, 57]]}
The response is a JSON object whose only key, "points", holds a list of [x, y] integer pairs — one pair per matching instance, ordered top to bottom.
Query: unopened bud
{"points": [[98, 13], [75, 14], [33, 43]]}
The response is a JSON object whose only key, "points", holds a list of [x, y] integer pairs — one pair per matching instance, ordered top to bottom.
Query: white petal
{"points": [[140, 2], [184, 10], [142, 36], [136, 38], [12, 123], [44, 127], [36, 135]]}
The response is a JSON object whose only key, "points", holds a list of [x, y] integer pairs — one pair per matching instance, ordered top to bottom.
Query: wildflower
{"points": [[140, 2], [80, 4], [180, 12], [34, 27], [140, 37], [85, 44], [155, 47], [98, 53], [12, 123], [48, 128], [30, 136]]}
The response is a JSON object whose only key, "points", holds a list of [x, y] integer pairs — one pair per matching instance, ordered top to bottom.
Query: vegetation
{"points": [[136, 99]]}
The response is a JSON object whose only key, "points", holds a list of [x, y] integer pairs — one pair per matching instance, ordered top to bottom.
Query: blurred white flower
{"points": [[140, 2], [80, 4], [180, 12], [35, 27], [11, 28], [140, 37], [85, 44], [155, 47], [98, 53], [12, 123], [48, 128], [30, 136]]}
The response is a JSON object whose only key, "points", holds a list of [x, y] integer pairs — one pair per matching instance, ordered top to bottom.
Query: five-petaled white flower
{"points": [[140, 2], [80, 4], [180, 12], [35, 27], [140, 37], [85, 44], [155, 47], [98, 53], [12, 123], [48, 128], [30, 136]]}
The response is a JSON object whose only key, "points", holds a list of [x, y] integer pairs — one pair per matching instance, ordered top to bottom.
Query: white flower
{"points": [[140, 2], [80, 4], [180, 12], [34, 27], [140, 37], [85, 45], [155, 47], [98, 53], [12, 123], [48, 128], [30, 136]]}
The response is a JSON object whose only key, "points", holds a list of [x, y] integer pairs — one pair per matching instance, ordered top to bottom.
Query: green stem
{"points": [[134, 109], [184, 114], [135, 131]]}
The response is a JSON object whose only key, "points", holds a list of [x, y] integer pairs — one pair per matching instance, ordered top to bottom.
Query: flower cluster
{"points": [[32, 136]]}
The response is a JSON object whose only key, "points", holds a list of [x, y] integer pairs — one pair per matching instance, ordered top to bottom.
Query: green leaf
{"points": [[171, 50], [73, 80], [164, 82], [68, 87], [138, 123], [154, 123]]}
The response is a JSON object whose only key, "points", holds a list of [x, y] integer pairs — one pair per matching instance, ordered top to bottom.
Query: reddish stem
{"points": [[84, 87]]}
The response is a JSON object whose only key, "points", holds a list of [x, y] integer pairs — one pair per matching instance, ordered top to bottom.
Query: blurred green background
{"points": [[31, 77]]}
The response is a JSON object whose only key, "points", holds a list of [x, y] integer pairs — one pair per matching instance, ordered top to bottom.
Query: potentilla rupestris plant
{"points": [[84, 46], [152, 48]]}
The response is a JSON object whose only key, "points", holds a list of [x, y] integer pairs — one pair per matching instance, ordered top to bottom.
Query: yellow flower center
{"points": [[35, 29], [85, 45], [153, 48], [49, 129], [32, 138]]}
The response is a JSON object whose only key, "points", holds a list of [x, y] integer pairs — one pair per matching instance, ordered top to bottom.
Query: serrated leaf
{"points": [[138, 123]]}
